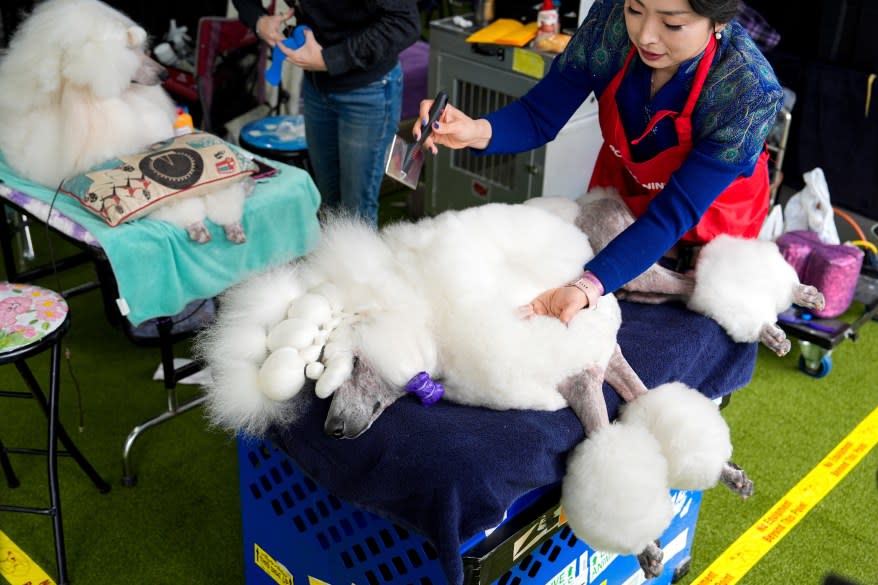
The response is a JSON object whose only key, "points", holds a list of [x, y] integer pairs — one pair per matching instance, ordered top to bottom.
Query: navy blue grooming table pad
{"points": [[450, 471]]}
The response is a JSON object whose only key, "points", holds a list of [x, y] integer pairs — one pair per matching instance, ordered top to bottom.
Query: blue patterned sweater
{"points": [[737, 107]]}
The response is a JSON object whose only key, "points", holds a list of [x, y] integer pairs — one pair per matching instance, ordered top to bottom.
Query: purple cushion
{"points": [[415, 62], [833, 268]]}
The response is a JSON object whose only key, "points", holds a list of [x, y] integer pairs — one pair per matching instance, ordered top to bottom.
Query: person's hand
{"points": [[270, 27], [309, 56], [453, 129], [562, 303]]}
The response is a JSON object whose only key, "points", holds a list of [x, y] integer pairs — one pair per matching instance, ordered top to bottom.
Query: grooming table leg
{"points": [[171, 375], [129, 478]]}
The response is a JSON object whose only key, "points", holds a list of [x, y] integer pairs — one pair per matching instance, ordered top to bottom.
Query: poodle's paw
{"points": [[198, 232], [235, 233], [809, 297], [775, 339], [737, 481], [650, 560]]}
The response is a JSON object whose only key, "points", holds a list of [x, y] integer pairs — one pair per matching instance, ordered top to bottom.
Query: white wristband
{"points": [[592, 294]]}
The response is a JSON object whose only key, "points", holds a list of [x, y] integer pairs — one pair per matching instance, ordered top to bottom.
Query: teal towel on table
{"points": [[159, 270]]}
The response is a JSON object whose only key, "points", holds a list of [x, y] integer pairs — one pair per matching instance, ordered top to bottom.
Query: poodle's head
{"points": [[85, 44]]}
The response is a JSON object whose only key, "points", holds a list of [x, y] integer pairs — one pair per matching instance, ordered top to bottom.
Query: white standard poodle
{"points": [[77, 88], [365, 313]]}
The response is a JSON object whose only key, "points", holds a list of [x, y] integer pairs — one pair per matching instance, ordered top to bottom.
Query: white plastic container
{"points": [[547, 19]]}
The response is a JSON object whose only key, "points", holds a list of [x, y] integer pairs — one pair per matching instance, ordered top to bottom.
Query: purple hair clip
{"points": [[425, 388]]}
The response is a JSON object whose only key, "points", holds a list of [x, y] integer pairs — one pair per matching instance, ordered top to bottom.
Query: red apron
{"points": [[739, 210]]}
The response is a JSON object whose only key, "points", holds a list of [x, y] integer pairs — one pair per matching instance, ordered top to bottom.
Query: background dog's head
{"points": [[83, 43]]}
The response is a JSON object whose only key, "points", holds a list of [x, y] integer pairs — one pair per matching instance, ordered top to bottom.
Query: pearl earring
{"points": [[718, 35]]}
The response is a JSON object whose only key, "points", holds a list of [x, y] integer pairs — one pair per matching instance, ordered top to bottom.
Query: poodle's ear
{"points": [[135, 37], [100, 67]]}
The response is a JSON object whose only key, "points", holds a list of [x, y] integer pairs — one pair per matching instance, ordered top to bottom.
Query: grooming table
{"points": [[156, 283], [416, 499]]}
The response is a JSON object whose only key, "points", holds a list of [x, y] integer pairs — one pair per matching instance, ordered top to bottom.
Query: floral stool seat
{"points": [[30, 318], [33, 320]]}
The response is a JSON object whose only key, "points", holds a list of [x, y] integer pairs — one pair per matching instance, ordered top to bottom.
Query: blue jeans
{"points": [[348, 134]]}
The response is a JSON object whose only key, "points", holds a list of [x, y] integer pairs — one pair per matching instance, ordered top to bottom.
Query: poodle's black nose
{"points": [[334, 427]]}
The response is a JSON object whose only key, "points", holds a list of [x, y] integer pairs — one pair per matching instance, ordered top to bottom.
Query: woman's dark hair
{"points": [[718, 11]]}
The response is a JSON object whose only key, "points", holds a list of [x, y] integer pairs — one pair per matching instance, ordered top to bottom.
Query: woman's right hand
{"points": [[453, 129]]}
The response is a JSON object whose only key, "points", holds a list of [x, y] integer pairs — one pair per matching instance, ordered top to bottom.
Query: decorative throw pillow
{"points": [[129, 187]]}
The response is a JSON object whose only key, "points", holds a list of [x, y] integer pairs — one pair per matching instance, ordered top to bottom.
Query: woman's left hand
{"points": [[562, 303]]}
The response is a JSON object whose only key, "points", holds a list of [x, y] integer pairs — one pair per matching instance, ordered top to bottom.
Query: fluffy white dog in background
{"points": [[77, 88]]}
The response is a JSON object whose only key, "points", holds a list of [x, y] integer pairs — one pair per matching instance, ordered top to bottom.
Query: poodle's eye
{"points": [[219, 155], [128, 168], [92, 197]]}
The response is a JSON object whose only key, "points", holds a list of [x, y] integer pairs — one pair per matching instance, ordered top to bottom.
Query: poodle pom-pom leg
{"points": [[225, 207], [809, 297], [775, 339], [694, 437], [736, 479], [615, 492]]}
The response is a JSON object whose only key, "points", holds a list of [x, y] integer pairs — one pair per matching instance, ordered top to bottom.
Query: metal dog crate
{"points": [[480, 79], [295, 532]]}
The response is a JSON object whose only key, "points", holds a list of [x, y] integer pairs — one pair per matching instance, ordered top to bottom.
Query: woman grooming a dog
{"points": [[352, 88], [686, 101]]}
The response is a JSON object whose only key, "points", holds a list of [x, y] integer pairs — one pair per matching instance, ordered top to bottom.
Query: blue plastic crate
{"points": [[295, 532]]}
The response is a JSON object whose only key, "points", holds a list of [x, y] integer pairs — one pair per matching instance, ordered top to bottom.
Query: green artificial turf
{"points": [[783, 424]]}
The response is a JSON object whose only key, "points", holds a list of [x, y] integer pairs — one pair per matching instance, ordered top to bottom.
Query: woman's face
{"points": [[666, 32]]}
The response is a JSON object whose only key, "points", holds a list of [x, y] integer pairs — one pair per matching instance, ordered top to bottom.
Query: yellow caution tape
{"points": [[757, 540], [18, 568]]}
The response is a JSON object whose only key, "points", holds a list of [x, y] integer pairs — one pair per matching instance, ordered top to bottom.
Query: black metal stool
{"points": [[33, 320]]}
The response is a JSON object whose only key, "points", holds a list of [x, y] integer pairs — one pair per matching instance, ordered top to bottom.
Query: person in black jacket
{"points": [[352, 88]]}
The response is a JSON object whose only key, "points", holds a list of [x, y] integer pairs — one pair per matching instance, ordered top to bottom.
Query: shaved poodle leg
{"points": [[659, 285], [809, 297], [647, 298], [775, 339], [623, 378], [584, 394], [736, 479], [651, 560]]}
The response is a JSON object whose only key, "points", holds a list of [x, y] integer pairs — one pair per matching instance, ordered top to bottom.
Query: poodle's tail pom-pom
{"points": [[693, 435], [615, 492]]}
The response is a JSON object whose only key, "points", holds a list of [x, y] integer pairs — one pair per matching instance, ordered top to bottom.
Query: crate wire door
{"points": [[458, 179]]}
